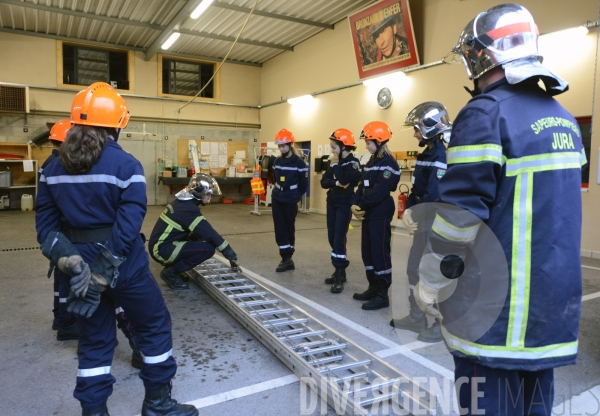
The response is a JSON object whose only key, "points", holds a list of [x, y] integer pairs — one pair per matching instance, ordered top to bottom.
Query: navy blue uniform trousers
{"points": [[284, 219], [338, 220], [375, 248], [192, 254], [62, 288], [141, 298], [504, 392]]}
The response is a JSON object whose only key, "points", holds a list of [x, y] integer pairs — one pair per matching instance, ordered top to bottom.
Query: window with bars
{"points": [[83, 65], [187, 77], [585, 124]]}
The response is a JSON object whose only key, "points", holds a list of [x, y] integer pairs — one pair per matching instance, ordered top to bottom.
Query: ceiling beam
{"points": [[28, 5], [272, 15], [173, 26], [69, 39], [232, 39], [209, 59]]}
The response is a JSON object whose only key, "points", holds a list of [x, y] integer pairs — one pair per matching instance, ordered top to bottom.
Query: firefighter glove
{"points": [[337, 183], [358, 213], [409, 224], [228, 253], [106, 265], [425, 297], [85, 306]]}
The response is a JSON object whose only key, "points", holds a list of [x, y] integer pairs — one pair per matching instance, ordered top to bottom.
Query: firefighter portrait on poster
{"points": [[383, 38]]}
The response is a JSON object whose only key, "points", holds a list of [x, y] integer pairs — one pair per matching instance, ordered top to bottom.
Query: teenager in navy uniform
{"points": [[432, 128], [514, 152], [290, 175], [340, 180], [374, 206], [89, 211], [182, 237], [64, 323]]}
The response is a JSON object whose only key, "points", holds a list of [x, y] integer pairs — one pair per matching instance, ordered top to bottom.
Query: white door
{"points": [[145, 152]]}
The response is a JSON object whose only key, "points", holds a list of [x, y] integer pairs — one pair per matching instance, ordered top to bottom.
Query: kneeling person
{"points": [[182, 238]]}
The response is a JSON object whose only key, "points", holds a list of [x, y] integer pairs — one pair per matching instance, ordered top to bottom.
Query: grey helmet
{"points": [[499, 35], [431, 118], [200, 185]]}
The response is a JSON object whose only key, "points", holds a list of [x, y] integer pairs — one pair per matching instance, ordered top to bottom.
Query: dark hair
{"points": [[83, 147], [350, 148]]}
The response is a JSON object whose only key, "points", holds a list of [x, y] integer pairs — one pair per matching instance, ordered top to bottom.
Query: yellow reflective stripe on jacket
{"points": [[475, 153], [583, 157], [543, 162], [524, 169], [171, 222], [195, 223], [170, 226], [451, 232], [178, 246], [222, 246], [501, 351]]}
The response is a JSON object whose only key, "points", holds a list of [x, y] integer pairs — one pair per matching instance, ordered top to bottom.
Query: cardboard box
{"points": [[167, 174]]}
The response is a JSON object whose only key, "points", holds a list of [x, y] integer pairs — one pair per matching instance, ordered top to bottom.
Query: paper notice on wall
{"points": [[205, 148], [214, 148], [223, 148], [214, 161], [222, 161], [28, 166]]}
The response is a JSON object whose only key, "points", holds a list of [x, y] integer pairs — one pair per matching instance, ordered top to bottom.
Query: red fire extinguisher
{"points": [[402, 197]]}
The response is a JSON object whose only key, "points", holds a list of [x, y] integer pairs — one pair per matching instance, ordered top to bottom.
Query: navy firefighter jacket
{"points": [[55, 154], [514, 163], [429, 169], [346, 171], [290, 175], [379, 180], [111, 195], [180, 222]]}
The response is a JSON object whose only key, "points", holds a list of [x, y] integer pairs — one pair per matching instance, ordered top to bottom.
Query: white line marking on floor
{"points": [[590, 267], [590, 296], [402, 349], [586, 403]]}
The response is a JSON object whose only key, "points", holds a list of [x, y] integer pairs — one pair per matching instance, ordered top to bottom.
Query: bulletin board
{"points": [[217, 151]]}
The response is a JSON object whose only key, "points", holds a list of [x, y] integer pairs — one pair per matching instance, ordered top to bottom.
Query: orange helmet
{"points": [[99, 105], [59, 130], [376, 130], [343, 135], [284, 136]]}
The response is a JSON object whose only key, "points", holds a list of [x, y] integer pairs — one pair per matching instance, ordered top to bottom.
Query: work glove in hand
{"points": [[333, 158], [337, 183], [358, 213], [409, 224], [228, 253], [79, 271], [425, 297], [85, 306]]}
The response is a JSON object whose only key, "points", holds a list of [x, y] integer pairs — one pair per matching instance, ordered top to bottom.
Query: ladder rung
{"points": [[214, 264], [218, 276], [226, 282], [245, 287], [247, 295], [252, 303], [270, 311], [286, 322], [287, 332], [309, 334], [312, 344], [329, 348], [326, 360], [346, 366], [351, 377], [373, 387], [375, 399]]}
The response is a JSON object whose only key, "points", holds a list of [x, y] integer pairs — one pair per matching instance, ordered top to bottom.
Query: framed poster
{"points": [[383, 38]]}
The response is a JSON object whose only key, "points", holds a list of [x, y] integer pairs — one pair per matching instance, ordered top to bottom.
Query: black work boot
{"points": [[286, 264], [172, 278], [330, 279], [338, 281], [371, 291], [381, 299], [415, 321], [65, 333], [432, 334], [137, 361], [159, 403], [98, 411]]}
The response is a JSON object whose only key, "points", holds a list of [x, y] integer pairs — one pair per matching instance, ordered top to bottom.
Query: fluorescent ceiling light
{"points": [[200, 9], [169, 42], [384, 80], [300, 100]]}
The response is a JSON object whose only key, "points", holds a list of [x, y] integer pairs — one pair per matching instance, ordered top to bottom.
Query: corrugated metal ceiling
{"points": [[275, 26]]}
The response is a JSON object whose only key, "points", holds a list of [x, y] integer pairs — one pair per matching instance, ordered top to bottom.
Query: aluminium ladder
{"points": [[354, 379]]}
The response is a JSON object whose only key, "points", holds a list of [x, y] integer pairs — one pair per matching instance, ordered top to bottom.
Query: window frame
{"points": [[60, 73], [216, 80], [580, 121]]}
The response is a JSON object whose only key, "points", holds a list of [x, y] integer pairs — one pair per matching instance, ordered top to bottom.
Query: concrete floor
{"points": [[222, 369]]}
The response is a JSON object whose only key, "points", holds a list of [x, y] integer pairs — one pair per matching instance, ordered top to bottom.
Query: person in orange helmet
{"points": [[290, 175], [340, 179], [374, 205], [89, 211]]}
